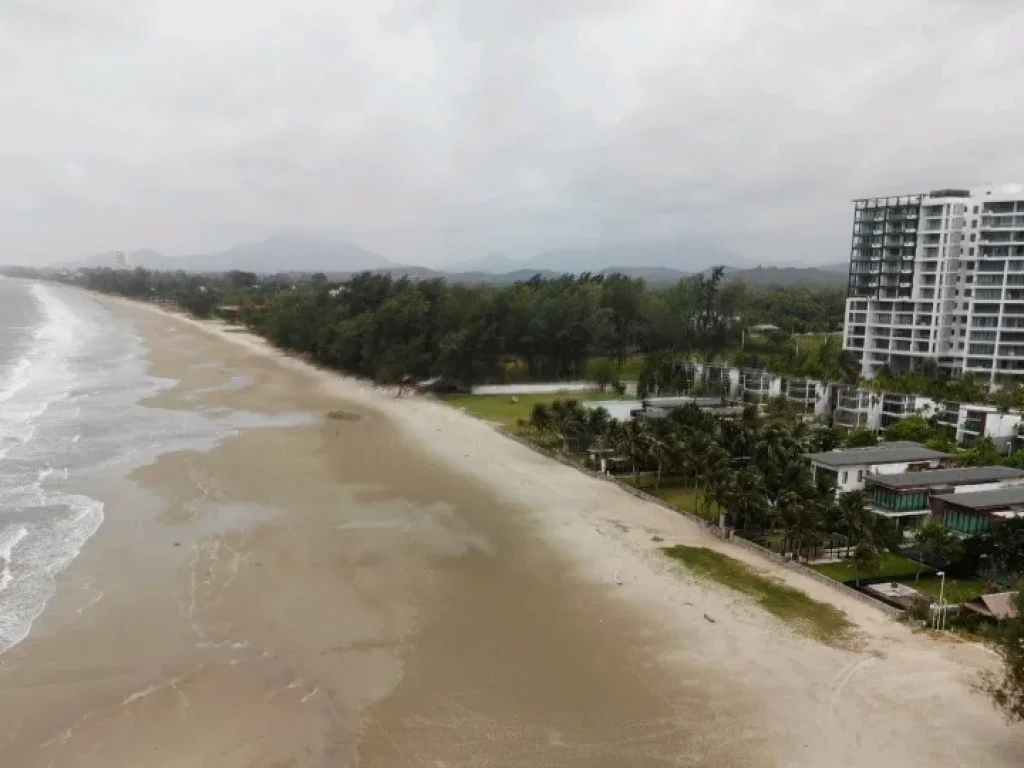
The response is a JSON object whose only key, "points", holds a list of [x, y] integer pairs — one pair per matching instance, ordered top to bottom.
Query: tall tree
{"points": [[935, 539]]}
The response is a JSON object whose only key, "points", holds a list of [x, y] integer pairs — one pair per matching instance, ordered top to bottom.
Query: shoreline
{"points": [[402, 411], [608, 544], [410, 587]]}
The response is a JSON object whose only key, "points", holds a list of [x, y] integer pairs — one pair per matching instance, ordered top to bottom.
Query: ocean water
{"points": [[72, 376]]}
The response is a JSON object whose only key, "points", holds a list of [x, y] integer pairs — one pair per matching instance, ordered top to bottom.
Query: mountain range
{"points": [[684, 255], [668, 262]]}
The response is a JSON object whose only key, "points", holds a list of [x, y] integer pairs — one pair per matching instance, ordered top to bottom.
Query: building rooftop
{"points": [[886, 453], [959, 476], [981, 500], [1002, 605]]}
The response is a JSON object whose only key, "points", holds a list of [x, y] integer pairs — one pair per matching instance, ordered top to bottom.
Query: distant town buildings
{"points": [[939, 276]]}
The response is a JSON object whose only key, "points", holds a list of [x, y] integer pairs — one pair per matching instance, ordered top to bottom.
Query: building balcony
{"points": [[801, 397], [851, 403], [849, 419]]}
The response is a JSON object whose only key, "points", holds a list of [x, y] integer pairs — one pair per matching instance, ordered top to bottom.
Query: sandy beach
{"points": [[388, 582]]}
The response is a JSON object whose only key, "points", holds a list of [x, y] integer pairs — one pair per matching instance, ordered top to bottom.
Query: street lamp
{"points": [[940, 619]]}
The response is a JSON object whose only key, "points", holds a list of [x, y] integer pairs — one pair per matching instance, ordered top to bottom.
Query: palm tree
{"points": [[540, 418], [570, 420], [599, 423], [630, 440], [694, 448], [660, 451], [716, 474], [741, 493], [800, 514], [855, 519], [935, 539], [866, 560]]}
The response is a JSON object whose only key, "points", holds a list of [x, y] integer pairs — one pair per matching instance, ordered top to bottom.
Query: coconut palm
{"points": [[540, 418], [598, 425], [630, 440], [660, 450], [716, 473], [741, 493], [800, 514], [855, 519]]}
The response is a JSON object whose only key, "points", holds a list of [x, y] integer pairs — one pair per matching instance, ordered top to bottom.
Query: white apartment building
{"points": [[939, 276], [758, 386], [810, 398], [898, 406], [857, 407]]}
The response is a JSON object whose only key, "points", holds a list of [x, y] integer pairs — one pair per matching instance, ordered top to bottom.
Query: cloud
{"points": [[436, 130]]}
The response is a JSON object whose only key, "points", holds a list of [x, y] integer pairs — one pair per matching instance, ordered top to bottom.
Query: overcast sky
{"points": [[439, 130]]}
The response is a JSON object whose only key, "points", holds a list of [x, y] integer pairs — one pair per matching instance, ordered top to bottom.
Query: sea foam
{"points": [[42, 528]]}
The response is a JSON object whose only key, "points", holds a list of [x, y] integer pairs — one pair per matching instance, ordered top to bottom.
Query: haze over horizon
{"points": [[435, 132]]}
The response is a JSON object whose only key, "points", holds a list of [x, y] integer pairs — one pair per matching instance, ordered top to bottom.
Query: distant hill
{"points": [[685, 255], [338, 259], [669, 262], [495, 263], [758, 276], [810, 276]]}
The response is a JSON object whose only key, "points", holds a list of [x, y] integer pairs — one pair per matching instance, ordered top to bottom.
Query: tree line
{"points": [[386, 328]]}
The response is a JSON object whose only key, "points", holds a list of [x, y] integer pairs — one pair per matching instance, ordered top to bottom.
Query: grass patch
{"points": [[501, 409], [673, 491], [892, 565], [956, 590], [819, 620]]}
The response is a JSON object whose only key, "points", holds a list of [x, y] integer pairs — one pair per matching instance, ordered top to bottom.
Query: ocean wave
{"points": [[41, 376], [41, 529], [8, 541], [32, 555]]}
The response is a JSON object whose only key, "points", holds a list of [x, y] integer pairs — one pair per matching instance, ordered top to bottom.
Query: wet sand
{"points": [[402, 587], [326, 595]]}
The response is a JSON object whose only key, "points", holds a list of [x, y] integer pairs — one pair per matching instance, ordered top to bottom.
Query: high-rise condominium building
{"points": [[939, 276]]}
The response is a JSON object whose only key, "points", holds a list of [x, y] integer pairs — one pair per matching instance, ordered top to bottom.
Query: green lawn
{"points": [[501, 409], [674, 492], [892, 565], [956, 590], [818, 620]]}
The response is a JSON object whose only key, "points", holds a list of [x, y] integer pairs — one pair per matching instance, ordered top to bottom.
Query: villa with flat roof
{"points": [[850, 467], [906, 497], [972, 513]]}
